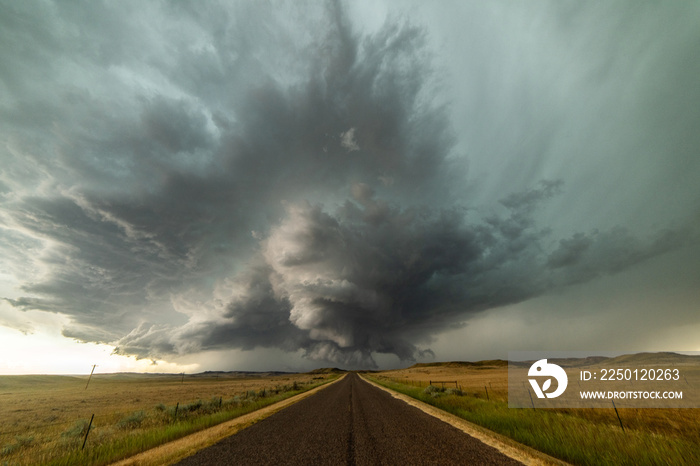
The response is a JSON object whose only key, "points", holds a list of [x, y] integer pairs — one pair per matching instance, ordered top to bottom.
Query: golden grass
{"points": [[476, 380], [43, 416], [670, 429]]}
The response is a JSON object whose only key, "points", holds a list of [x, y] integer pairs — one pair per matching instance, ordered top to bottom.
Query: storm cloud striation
{"points": [[261, 178]]}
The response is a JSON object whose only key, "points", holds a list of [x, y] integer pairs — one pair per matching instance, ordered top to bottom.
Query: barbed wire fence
{"points": [[81, 426]]}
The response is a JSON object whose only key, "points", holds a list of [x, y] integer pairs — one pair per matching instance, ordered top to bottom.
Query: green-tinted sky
{"points": [[282, 185]]}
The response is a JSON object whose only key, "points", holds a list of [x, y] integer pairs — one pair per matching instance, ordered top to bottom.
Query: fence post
{"points": [[93, 370], [487, 393], [531, 402], [176, 407], [618, 416], [88, 431]]}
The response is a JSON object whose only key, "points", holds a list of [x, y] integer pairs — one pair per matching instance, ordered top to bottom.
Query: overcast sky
{"points": [[287, 185]]}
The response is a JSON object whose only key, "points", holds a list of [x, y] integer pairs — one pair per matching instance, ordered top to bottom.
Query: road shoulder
{"points": [[505, 445], [172, 452]]}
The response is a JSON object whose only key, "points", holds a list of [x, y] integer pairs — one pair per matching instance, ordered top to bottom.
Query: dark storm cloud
{"points": [[175, 126], [224, 178], [583, 257], [344, 286]]}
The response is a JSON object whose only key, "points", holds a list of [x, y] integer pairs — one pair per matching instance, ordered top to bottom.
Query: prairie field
{"points": [[475, 378], [478, 392], [44, 419]]}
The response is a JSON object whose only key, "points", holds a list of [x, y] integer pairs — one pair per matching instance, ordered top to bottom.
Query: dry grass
{"points": [[476, 380], [43, 416], [665, 433]]}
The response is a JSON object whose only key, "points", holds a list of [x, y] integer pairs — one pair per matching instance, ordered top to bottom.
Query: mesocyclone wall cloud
{"points": [[244, 176]]}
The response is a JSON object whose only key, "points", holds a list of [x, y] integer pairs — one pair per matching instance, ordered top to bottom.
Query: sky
{"points": [[190, 186]]}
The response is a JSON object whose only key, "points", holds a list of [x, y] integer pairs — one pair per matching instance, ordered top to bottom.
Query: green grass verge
{"points": [[562, 434], [103, 447]]}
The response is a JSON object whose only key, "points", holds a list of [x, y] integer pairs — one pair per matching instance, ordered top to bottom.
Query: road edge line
{"points": [[507, 446], [177, 450]]}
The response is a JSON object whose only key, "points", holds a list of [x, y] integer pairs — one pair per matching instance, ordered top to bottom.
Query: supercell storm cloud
{"points": [[241, 177]]}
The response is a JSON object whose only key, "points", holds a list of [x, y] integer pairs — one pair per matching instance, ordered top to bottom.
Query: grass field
{"points": [[44, 419], [578, 436]]}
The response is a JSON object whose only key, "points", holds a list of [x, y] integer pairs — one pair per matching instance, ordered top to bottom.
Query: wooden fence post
{"points": [[93, 370], [618, 416], [88, 431]]}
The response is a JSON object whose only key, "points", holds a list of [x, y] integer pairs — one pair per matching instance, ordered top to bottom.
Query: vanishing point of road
{"points": [[350, 423]]}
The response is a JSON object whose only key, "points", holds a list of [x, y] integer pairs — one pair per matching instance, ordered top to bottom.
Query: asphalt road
{"points": [[350, 423]]}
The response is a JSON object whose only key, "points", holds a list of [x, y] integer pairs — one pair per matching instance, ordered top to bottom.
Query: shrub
{"points": [[454, 391], [215, 403], [192, 407], [132, 421], [78, 429], [24, 441], [20, 442], [8, 449]]}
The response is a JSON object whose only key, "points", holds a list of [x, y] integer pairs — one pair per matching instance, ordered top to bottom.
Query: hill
{"points": [[476, 364], [327, 370]]}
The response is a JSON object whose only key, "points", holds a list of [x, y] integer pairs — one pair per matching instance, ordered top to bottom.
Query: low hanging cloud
{"points": [[207, 191], [377, 278]]}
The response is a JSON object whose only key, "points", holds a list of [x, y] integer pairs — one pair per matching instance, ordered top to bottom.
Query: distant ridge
{"points": [[652, 358], [666, 358], [639, 359], [486, 363], [327, 370], [239, 373]]}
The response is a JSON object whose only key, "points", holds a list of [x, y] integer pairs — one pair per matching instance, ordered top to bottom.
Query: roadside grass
{"points": [[117, 435], [578, 436], [109, 446]]}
